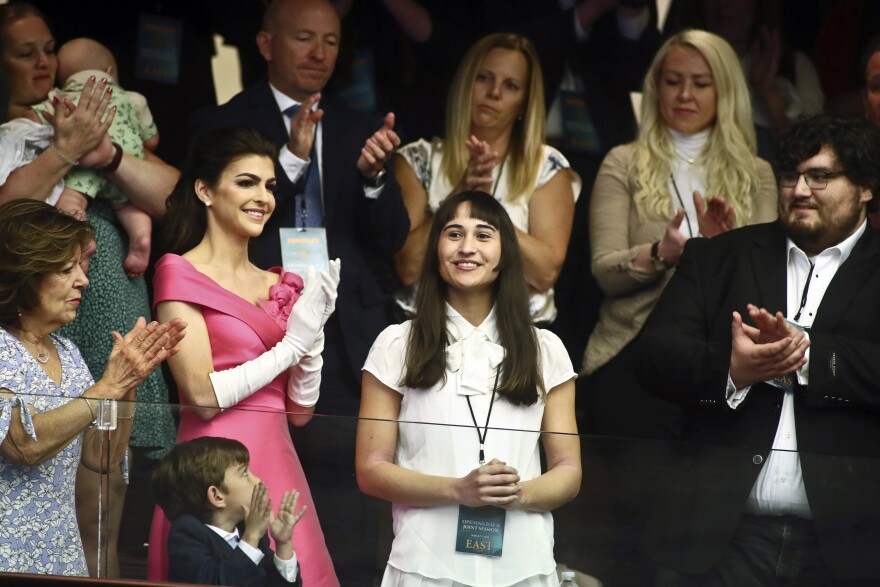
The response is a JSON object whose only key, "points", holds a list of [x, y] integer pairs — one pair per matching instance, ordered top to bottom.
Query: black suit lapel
{"points": [[265, 113], [331, 147], [770, 266], [848, 280], [218, 543]]}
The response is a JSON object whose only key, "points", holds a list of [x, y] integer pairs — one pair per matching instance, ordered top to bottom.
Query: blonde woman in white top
{"points": [[494, 143]]}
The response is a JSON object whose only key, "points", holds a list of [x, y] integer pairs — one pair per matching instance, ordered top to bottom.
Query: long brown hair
{"points": [[185, 223], [520, 379]]}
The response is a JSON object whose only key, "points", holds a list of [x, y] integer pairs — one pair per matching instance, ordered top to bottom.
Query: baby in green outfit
{"points": [[132, 129]]}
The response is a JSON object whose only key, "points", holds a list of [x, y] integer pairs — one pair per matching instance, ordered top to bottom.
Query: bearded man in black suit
{"points": [[769, 336]]}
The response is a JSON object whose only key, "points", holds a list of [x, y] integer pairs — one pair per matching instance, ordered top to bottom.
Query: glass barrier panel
{"points": [[646, 512]]}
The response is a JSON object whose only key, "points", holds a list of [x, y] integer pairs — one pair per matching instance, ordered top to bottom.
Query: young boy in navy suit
{"points": [[220, 514]]}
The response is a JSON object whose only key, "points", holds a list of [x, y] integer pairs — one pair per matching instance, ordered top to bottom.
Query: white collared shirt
{"points": [[292, 165], [779, 488], [287, 568]]}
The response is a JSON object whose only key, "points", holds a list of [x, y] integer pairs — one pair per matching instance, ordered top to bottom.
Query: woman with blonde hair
{"points": [[696, 138], [494, 142]]}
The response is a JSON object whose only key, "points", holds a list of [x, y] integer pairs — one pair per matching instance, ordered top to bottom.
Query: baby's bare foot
{"points": [[138, 258]]}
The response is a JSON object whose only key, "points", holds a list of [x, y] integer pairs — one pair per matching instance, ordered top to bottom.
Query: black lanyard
{"points": [[498, 179], [681, 201], [804, 294], [482, 436]]}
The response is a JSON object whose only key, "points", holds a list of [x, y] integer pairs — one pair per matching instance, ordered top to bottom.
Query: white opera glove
{"points": [[312, 310], [306, 321], [304, 382]]}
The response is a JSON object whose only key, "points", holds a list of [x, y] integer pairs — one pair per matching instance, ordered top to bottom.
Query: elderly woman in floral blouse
{"points": [[45, 432]]}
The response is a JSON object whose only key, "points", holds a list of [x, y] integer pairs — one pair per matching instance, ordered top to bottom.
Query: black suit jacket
{"points": [[364, 233], [685, 358], [197, 554]]}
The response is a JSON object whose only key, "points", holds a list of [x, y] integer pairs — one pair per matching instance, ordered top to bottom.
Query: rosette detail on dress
{"points": [[282, 296], [474, 359]]}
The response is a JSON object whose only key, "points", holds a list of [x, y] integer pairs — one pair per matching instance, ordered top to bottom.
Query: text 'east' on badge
{"points": [[480, 530]]}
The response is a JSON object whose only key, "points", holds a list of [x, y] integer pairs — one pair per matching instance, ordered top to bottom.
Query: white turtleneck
{"points": [[688, 176]]}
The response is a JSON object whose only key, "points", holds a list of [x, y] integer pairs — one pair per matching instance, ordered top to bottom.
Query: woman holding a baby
{"points": [[34, 160]]}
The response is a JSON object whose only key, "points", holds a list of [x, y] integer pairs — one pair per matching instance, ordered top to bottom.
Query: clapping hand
{"points": [[302, 127], [81, 128], [378, 148], [481, 165], [714, 215], [672, 243], [312, 310], [773, 327], [768, 350], [135, 355], [258, 516], [281, 526]]}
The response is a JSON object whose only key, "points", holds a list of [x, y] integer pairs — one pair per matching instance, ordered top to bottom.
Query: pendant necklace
{"points": [[42, 357]]}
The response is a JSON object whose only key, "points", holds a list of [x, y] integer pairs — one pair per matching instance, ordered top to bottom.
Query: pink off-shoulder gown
{"points": [[240, 331]]}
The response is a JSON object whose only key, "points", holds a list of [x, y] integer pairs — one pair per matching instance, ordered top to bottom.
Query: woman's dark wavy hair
{"points": [[854, 143], [210, 153], [36, 239], [520, 379]]}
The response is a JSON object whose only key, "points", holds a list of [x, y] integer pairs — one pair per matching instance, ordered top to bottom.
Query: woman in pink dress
{"points": [[256, 336]]}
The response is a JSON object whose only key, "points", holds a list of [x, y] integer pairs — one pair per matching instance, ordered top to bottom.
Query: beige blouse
{"points": [[616, 237]]}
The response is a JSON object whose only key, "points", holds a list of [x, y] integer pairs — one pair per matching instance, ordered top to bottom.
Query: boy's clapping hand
{"points": [[258, 516], [281, 527]]}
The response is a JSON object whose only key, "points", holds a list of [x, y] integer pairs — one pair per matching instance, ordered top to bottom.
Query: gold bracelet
{"points": [[64, 156], [92, 410], [131, 415]]}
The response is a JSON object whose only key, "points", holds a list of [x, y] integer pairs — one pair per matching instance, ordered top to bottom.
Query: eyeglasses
{"points": [[816, 180]]}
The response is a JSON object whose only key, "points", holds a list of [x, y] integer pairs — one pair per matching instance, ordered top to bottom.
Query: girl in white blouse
{"points": [[453, 405]]}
